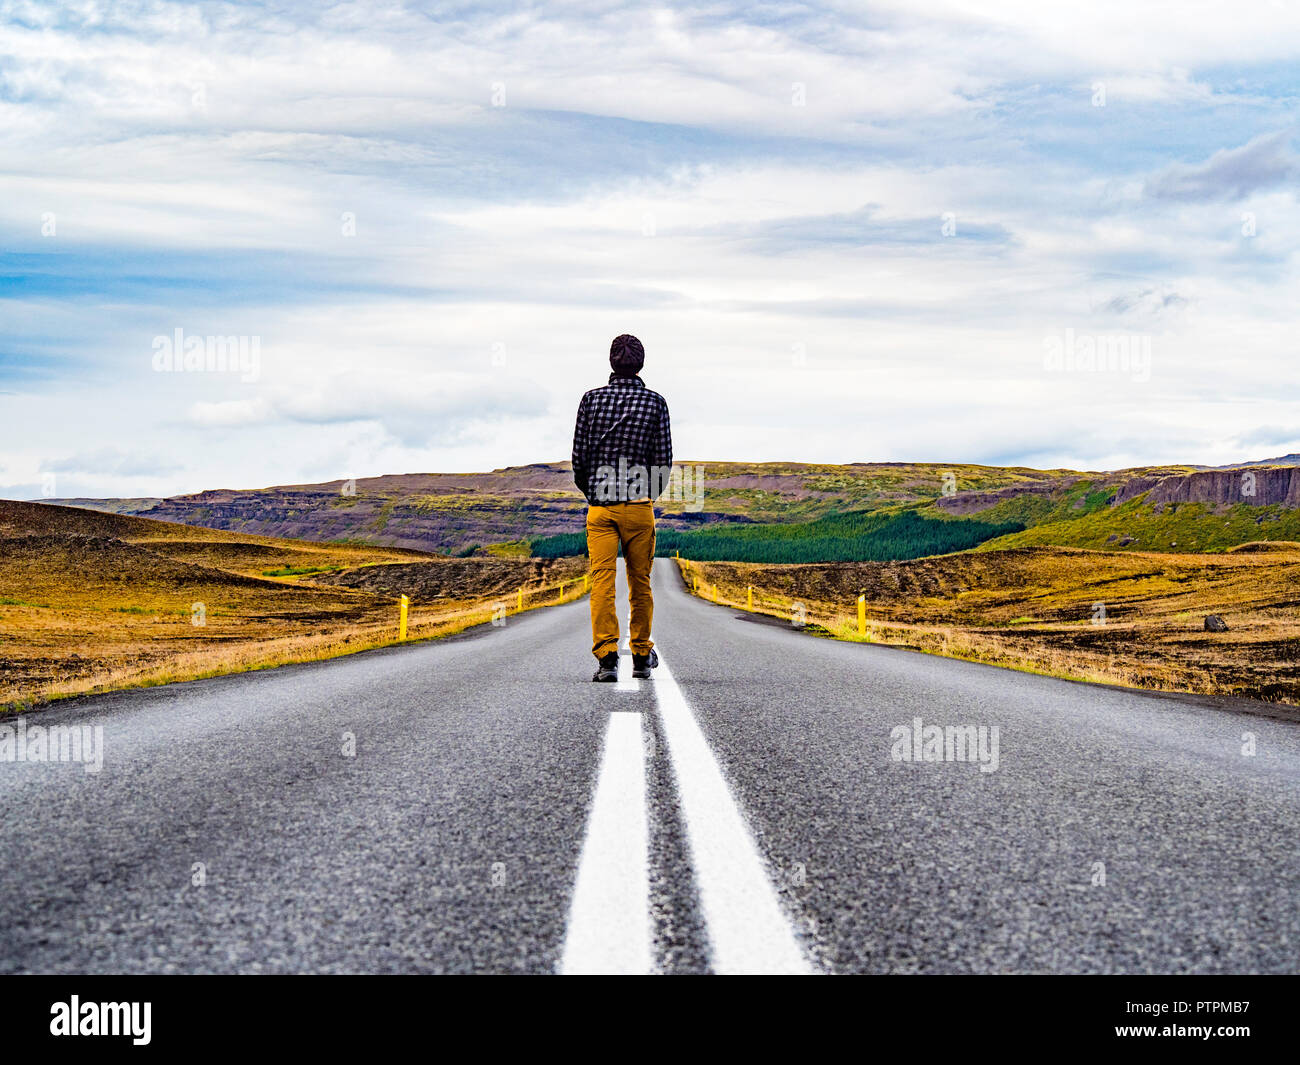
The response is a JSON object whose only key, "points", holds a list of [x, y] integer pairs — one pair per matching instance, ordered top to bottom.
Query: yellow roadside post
{"points": [[586, 581], [695, 583], [715, 593], [749, 598], [561, 599], [521, 600], [862, 615], [401, 618]]}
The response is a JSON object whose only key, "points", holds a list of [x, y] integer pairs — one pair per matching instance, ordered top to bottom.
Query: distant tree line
{"points": [[857, 536]]}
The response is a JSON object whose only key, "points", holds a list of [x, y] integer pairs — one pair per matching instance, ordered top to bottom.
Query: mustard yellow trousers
{"points": [[631, 525]]}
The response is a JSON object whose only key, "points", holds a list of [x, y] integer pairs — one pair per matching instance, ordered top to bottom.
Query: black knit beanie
{"points": [[626, 355]]}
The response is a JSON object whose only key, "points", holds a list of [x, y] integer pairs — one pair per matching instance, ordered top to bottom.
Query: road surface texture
{"points": [[477, 804]]}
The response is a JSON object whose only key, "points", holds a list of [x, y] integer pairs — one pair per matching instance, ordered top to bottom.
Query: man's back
{"points": [[622, 442]]}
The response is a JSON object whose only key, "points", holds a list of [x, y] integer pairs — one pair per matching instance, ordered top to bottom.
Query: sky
{"points": [[1015, 233]]}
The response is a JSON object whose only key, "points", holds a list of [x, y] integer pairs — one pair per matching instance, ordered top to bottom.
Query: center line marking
{"points": [[626, 682], [609, 920], [747, 927]]}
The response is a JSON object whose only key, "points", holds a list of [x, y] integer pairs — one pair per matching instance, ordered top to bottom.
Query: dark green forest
{"points": [[857, 536]]}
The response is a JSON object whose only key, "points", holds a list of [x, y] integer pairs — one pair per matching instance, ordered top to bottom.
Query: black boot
{"points": [[643, 664], [608, 669]]}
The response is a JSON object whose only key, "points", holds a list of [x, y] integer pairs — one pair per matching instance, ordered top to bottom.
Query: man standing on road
{"points": [[622, 457]]}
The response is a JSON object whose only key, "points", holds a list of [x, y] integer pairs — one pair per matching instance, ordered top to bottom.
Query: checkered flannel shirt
{"points": [[623, 427]]}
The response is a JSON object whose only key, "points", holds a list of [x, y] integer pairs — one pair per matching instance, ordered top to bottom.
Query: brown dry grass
{"points": [[94, 602], [1034, 609]]}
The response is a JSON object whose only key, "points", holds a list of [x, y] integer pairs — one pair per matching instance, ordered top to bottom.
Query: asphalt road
{"points": [[477, 804]]}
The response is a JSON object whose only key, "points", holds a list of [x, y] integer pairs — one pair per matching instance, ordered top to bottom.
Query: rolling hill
{"points": [[774, 512]]}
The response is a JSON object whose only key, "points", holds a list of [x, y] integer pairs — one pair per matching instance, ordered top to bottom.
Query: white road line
{"points": [[626, 682], [609, 921], [748, 931]]}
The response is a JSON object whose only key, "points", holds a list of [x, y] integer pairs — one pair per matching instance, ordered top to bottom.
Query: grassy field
{"points": [[1138, 526], [91, 601], [1132, 618]]}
